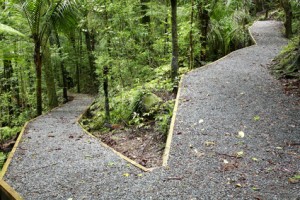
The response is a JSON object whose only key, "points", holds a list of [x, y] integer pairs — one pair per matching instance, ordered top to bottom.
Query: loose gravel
{"points": [[57, 160]]}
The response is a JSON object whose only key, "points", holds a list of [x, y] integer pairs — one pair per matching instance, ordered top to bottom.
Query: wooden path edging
{"points": [[172, 125], [145, 169], [6, 189], [7, 192]]}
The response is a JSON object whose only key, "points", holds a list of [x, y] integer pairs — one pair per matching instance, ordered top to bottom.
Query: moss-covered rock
{"points": [[149, 101]]}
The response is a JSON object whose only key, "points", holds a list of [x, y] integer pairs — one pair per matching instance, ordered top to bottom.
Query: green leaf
{"points": [[9, 30], [256, 118]]}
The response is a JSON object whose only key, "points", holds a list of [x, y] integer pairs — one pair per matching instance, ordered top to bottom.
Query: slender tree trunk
{"points": [[287, 7], [144, 9], [204, 22], [166, 27], [73, 42], [90, 45], [175, 54], [191, 60], [38, 68], [62, 68], [78, 72], [8, 73], [49, 79], [16, 83], [105, 88]]}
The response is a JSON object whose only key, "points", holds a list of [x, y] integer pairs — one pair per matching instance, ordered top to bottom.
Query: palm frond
{"points": [[5, 29]]}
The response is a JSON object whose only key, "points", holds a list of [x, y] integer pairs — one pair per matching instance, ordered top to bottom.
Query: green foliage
{"points": [[228, 29], [9, 30], [287, 64], [128, 105], [163, 118], [7, 133], [3, 157]]}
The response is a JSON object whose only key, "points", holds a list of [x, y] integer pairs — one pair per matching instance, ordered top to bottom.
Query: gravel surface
{"points": [[57, 160]]}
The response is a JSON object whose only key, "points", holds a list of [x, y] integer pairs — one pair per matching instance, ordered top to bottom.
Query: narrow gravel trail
{"points": [[57, 160]]}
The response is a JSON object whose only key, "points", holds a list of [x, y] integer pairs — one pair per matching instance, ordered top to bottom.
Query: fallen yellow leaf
{"points": [[241, 134], [209, 143], [240, 154], [254, 159], [126, 174], [294, 180]]}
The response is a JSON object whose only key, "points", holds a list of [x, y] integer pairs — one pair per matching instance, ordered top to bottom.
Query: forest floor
{"points": [[236, 136]]}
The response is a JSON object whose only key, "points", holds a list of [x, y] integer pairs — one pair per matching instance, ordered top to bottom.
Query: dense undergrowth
{"points": [[287, 64], [149, 103]]}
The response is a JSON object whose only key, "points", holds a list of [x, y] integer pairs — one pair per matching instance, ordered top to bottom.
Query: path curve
{"points": [[57, 160]]}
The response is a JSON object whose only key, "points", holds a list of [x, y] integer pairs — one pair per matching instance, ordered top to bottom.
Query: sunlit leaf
{"points": [[9, 30], [256, 118], [241, 134], [209, 143], [240, 154], [254, 159], [293, 180], [255, 188]]}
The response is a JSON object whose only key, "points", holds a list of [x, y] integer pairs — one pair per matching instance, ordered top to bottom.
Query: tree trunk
{"points": [[287, 7], [144, 9], [204, 21], [73, 42], [90, 45], [175, 54], [37, 56], [191, 60], [62, 68], [8, 72], [78, 72], [49, 79], [105, 88]]}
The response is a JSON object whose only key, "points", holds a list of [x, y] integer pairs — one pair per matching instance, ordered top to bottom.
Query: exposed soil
{"points": [[291, 86], [143, 145], [6, 146]]}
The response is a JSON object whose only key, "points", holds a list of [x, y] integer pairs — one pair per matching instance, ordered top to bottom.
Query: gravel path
{"points": [[57, 160]]}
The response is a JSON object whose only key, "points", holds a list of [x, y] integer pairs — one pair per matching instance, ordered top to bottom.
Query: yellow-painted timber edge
{"points": [[172, 125], [171, 129], [113, 150], [11, 154], [9, 191]]}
